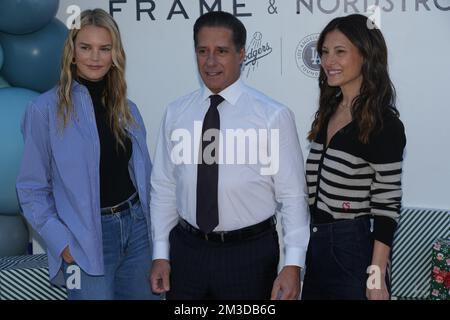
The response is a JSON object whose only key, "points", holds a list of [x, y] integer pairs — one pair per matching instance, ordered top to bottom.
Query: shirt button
{"points": [[314, 229]]}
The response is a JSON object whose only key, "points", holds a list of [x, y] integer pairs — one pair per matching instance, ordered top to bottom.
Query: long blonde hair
{"points": [[115, 95]]}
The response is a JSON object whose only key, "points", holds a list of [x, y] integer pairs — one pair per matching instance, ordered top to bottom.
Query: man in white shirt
{"points": [[227, 159]]}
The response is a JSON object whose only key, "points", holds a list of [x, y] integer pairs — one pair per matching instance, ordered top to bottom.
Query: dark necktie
{"points": [[208, 173]]}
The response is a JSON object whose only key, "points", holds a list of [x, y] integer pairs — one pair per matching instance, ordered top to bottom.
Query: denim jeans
{"points": [[127, 258], [337, 260]]}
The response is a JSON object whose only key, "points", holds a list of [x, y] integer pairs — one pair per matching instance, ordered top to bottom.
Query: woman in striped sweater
{"points": [[354, 166]]}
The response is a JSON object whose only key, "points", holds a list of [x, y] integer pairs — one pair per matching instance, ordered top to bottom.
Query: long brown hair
{"points": [[377, 93], [115, 96]]}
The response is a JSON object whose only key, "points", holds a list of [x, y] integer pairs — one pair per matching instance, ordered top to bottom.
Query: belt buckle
{"points": [[114, 209], [221, 233]]}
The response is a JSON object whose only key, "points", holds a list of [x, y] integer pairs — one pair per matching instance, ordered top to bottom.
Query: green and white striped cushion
{"points": [[26, 278]]}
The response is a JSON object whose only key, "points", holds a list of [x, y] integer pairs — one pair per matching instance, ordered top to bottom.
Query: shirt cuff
{"points": [[384, 229], [56, 237], [161, 250], [294, 256]]}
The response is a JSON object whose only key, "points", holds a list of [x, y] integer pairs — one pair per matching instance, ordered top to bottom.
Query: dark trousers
{"points": [[337, 260], [243, 269]]}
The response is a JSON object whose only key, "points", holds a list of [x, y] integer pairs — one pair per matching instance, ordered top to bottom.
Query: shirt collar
{"points": [[78, 87], [231, 93]]}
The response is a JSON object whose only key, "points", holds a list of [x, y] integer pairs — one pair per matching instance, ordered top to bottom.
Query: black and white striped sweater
{"points": [[348, 179]]}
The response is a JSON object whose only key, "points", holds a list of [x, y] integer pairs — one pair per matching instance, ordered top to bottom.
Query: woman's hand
{"points": [[67, 256], [378, 294]]}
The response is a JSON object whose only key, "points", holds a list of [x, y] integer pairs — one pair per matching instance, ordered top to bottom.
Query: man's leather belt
{"points": [[229, 236]]}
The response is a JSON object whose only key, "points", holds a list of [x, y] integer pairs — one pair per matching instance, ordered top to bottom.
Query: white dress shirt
{"points": [[249, 191]]}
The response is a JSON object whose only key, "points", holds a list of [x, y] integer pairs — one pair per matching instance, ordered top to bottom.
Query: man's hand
{"points": [[67, 256], [160, 276], [287, 285]]}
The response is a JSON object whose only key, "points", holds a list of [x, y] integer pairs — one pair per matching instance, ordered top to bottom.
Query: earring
{"points": [[73, 60]]}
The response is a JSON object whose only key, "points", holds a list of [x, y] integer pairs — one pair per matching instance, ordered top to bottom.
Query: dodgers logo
{"points": [[256, 50]]}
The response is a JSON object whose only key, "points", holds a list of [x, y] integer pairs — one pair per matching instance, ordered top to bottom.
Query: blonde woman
{"points": [[84, 179]]}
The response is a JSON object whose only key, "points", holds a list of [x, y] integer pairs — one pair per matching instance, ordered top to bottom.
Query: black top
{"points": [[348, 179], [115, 182]]}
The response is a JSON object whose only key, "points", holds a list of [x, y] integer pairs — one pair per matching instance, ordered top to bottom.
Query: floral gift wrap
{"points": [[440, 274]]}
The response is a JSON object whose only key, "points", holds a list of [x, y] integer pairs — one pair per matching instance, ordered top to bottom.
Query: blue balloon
{"points": [[26, 16], [1, 57], [32, 61], [3, 83], [13, 102], [13, 236]]}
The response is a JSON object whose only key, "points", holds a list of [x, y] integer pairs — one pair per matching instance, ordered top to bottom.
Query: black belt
{"points": [[125, 205], [229, 236]]}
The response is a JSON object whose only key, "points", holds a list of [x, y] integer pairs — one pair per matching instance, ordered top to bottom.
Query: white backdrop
{"points": [[161, 66]]}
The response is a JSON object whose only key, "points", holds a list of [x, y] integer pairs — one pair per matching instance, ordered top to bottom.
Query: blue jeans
{"points": [[127, 258], [337, 260]]}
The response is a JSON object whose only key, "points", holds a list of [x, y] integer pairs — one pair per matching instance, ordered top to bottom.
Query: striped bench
{"points": [[417, 230], [26, 278]]}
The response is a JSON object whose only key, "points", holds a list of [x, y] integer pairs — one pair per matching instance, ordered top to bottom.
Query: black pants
{"points": [[337, 260], [242, 269]]}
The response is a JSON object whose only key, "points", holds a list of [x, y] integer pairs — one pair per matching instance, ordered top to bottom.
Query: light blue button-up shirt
{"points": [[58, 185]]}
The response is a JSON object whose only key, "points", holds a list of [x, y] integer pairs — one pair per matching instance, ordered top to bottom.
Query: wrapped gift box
{"points": [[440, 270], [26, 278]]}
